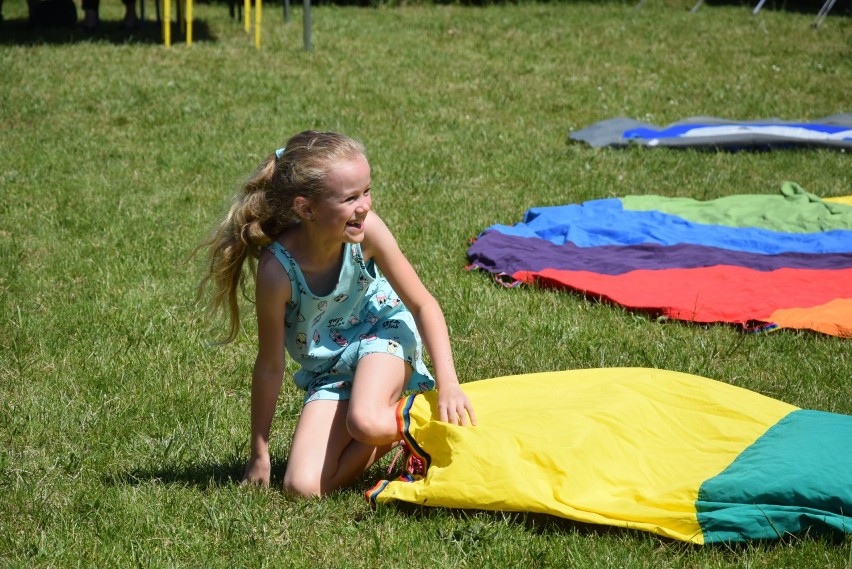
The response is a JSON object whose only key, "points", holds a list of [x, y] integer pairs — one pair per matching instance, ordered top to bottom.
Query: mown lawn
{"points": [[125, 433]]}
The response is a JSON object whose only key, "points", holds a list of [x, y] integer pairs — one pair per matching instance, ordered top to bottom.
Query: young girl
{"points": [[333, 287]]}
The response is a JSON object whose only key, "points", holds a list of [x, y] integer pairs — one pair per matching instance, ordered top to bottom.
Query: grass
{"points": [[124, 434]]}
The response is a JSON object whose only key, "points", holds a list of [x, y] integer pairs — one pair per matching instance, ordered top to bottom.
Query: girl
{"points": [[333, 287]]}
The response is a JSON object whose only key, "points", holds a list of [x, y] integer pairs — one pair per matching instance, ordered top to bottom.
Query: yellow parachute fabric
{"points": [[845, 200], [627, 447]]}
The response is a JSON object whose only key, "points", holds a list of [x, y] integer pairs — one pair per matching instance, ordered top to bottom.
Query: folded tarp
{"points": [[833, 132], [781, 261], [678, 455]]}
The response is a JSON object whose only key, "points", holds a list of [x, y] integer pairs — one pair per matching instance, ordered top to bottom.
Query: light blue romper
{"points": [[328, 335]]}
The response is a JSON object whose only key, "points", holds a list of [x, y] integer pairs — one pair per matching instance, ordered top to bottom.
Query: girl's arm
{"points": [[379, 244], [272, 293]]}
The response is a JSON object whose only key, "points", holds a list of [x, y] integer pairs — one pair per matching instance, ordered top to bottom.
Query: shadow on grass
{"points": [[792, 6], [21, 32], [225, 473], [198, 475], [539, 524], [544, 524]]}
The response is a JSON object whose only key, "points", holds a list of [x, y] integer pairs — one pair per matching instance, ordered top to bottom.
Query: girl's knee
{"points": [[371, 428], [302, 484]]}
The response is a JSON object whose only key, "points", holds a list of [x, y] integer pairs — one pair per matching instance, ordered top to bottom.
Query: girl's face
{"points": [[343, 208]]}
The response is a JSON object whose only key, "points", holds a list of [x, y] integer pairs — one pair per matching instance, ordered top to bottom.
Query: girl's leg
{"points": [[90, 14], [130, 19], [376, 389], [324, 457]]}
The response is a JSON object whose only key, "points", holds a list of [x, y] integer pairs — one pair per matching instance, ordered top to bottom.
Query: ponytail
{"points": [[262, 210], [235, 246]]}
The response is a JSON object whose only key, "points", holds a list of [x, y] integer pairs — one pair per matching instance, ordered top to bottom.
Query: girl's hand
{"points": [[454, 406], [257, 471]]}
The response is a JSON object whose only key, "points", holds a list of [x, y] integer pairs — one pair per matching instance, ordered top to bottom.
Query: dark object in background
{"points": [[53, 14]]}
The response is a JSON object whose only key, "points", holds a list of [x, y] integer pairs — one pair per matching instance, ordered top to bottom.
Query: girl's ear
{"points": [[302, 207]]}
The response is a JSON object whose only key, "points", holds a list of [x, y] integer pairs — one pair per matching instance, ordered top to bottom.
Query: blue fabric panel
{"points": [[679, 130], [606, 222]]}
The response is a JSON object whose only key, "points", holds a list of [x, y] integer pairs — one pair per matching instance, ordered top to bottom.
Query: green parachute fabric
{"points": [[793, 210], [678, 455]]}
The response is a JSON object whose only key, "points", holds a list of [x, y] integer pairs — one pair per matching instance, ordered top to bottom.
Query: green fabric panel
{"points": [[794, 211], [797, 477]]}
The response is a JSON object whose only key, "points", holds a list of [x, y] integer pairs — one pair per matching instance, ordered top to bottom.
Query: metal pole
{"points": [[258, 8], [286, 11], [823, 12], [167, 22], [188, 22], [307, 25]]}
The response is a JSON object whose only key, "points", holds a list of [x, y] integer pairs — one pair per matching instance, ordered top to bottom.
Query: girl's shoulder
{"points": [[376, 237], [271, 274]]}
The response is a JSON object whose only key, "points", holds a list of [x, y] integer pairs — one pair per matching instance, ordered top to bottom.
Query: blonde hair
{"points": [[263, 209]]}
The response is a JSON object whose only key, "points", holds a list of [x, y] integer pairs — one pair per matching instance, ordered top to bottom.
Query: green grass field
{"points": [[124, 434]]}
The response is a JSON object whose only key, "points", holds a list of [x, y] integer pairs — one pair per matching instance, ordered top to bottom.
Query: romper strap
{"points": [[289, 263]]}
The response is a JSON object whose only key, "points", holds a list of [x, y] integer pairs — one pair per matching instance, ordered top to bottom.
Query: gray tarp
{"points": [[834, 132]]}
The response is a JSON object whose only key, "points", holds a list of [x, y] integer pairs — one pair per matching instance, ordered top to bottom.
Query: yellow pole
{"points": [[257, 8], [247, 13], [167, 22], [188, 22]]}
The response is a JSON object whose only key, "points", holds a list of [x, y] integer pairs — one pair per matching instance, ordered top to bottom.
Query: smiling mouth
{"points": [[355, 224]]}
